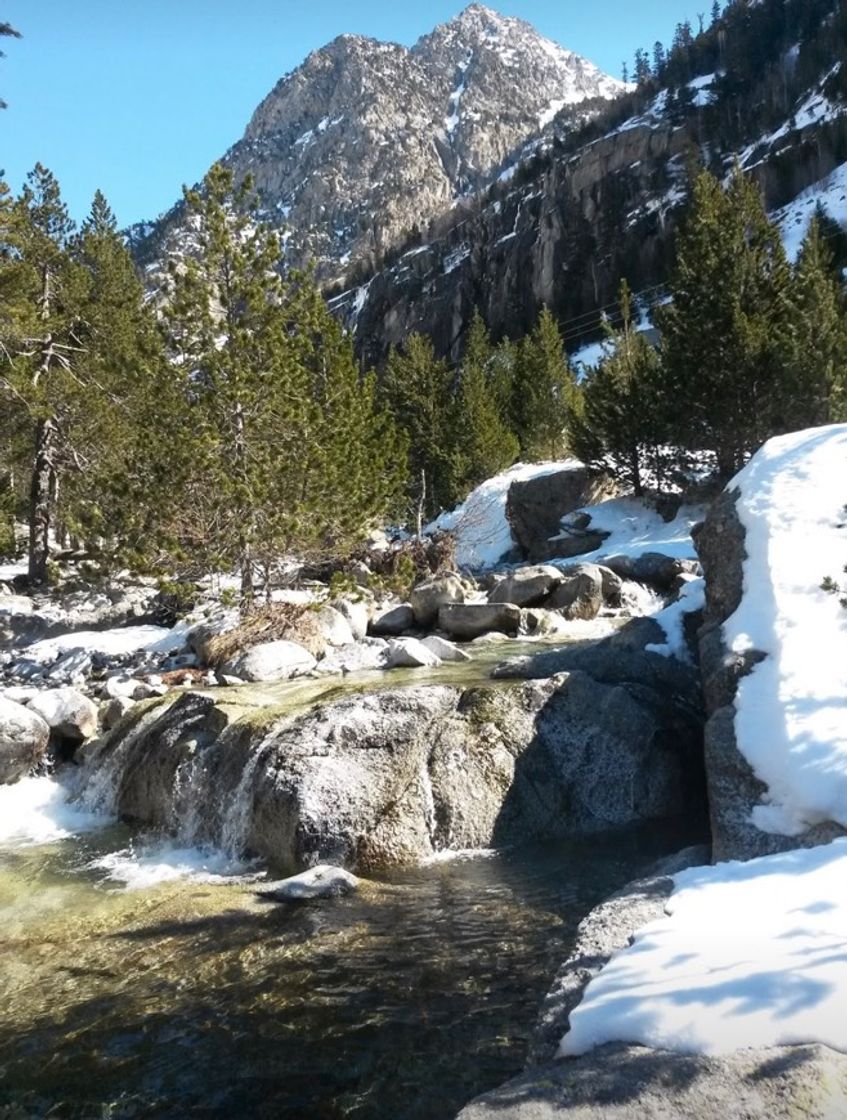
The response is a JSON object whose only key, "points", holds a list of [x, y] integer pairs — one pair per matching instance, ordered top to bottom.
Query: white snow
{"points": [[702, 88], [552, 110], [794, 219], [635, 528], [483, 535], [9, 571], [672, 620], [111, 643], [791, 711], [750, 955]]}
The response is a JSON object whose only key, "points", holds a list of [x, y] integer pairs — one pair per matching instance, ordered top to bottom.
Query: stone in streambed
{"points": [[324, 881]]}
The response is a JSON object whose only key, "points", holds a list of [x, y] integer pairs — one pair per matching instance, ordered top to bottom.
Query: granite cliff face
{"points": [[367, 140]]}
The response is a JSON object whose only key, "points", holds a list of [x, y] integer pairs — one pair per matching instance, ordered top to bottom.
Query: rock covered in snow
{"points": [[68, 713], [23, 740]]}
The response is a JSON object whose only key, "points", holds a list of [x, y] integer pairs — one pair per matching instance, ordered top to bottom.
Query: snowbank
{"points": [[635, 528], [483, 534], [118, 642], [791, 711], [750, 955]]}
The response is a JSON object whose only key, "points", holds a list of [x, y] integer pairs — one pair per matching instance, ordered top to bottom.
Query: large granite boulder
{"points": [[536, 506], [654, 569], [527, 587], [580, 593], [428, 598], [466, 621], [271, 661], [69, 714], [23, 740], [388, 777], [734, 789]]}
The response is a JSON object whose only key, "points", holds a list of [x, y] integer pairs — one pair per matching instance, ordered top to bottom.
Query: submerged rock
{"points": [[23, 740], [318, 882]]}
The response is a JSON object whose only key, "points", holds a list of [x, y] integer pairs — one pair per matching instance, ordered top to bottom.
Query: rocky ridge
{"points": [[367, 140]]}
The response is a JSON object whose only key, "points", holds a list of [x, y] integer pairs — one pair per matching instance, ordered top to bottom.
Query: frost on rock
{"points": [[791, 716], [749, 955]]}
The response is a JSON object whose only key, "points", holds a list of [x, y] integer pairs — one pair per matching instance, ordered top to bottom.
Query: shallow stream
{"points": [[141, 979]]}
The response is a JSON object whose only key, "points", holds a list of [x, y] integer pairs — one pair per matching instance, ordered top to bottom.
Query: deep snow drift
{"points": [[791, 721], [750, 955]]}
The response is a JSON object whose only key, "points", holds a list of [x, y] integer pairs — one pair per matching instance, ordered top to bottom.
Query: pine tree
{"points": [[7, 31], [720, 332], [814, 337], [42, 346], [418, 390], [543, 393], [616, 420], [485, 444]]}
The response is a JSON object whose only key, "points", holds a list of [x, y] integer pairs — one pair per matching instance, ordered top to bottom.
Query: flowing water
{"points": [[142, 977], [143, 980]]}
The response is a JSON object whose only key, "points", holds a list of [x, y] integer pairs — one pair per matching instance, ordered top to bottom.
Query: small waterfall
{"points": [[638, 600]]}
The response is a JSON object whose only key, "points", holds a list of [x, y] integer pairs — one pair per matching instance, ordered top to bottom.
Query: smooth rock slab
{"points": [[444, 650], [23, 740], [318, 882], [620, 1082]]}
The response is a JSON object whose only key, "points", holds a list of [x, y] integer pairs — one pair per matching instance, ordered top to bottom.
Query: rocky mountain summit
{"points": [[367, 140]]}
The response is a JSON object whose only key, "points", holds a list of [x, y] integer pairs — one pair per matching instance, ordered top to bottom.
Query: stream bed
{"points": [[142, 980]]}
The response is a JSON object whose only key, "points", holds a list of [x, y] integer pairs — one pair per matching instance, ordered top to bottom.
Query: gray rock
{"points": [[536, 507], [652, 568], [612, 586], [527, 587], [580, 593], [427, 598], [358, 615], [392, 621], [466, 621], [540, 623], [334, 626], [199, 637], [444, 650], [370, 653], [409, 653], [271, 661], [19, 694], [113, 711], [68, 713], [23, 740], [316, 883], [620, 1082]]}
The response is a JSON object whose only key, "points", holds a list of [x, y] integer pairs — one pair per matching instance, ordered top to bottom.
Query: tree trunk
{"points": [[42, 488], [245, 534]]}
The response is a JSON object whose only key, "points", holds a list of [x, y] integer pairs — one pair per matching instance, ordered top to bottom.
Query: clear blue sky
{"points": [[137, 97]]}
